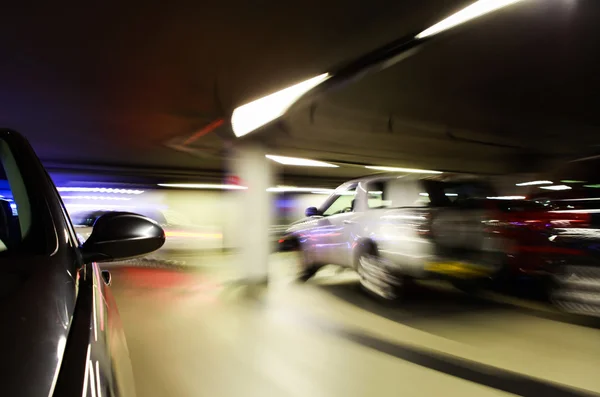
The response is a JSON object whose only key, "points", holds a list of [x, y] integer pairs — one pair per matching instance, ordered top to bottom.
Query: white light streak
{"points": [[468, 13], [253, 115], [299, 161], [400, 169], [533, 183], [209, 186], [556, 187], [99, 190]]}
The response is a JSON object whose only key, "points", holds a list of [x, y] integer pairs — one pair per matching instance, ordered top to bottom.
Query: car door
{"points": [[331, 240]]}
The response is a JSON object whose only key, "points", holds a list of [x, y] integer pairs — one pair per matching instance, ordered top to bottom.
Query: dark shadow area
{"points": [[437, 301], [421, 302]]}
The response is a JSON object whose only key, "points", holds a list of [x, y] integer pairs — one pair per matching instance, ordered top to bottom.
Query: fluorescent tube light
{"points": [[468, 13], [253, 115], [299, 161], [399, 169]]}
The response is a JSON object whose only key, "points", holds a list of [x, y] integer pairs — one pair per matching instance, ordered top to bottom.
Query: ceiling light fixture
{"points": [[468, 13], [253, 115], [299, 161], [399, 169], [532, 183], [208, 186], [556, 187], [296, 189], [99, 190], [96, 198], [507, 198]]}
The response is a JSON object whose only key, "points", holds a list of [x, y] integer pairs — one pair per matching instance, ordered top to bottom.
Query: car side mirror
{"points": [[312, 211], [122, 235]]}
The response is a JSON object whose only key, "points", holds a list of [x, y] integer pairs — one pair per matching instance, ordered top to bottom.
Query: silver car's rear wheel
{"points": [[376, 278]]}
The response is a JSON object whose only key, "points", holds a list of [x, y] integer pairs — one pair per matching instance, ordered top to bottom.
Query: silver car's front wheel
{"points": [[305, 268], [376, 279]]}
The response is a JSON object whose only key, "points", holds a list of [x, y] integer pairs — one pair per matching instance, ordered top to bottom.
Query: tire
{"points": [[306, 269], [377, 280]]}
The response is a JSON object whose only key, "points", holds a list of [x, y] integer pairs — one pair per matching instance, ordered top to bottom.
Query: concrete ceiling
{"points": [[116, 84], [124, 86], [511, 92]]}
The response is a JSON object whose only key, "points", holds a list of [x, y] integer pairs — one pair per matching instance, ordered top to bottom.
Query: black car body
{"points": [[61, 334]]}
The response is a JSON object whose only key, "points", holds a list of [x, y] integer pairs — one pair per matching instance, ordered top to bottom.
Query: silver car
{"points": [[391, 228]]}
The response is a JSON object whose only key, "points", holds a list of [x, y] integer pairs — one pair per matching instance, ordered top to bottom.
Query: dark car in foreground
{"points": [[61, 334]]}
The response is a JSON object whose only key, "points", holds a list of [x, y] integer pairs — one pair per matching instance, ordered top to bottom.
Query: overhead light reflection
{"points": [[468, 13], [253, 115], [299, 161], [400, 169], [533, 183], [210, 186], [556, 187], [274, 189], [296, 189], [99, 190], [96, 198], [506, 198]]}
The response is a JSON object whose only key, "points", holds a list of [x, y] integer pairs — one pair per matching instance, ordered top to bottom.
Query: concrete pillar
{"points": [[254, 210]]}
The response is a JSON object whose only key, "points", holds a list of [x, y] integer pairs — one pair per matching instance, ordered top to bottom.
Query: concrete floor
{"points": [[194, 332]]}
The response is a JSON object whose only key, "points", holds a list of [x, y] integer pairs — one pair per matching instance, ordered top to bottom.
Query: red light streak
{"points": [[200, 133]]}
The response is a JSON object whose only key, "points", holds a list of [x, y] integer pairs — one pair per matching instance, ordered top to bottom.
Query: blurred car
{"points": [[391, 229], [181, 238], [574, 266], [61, 332]]}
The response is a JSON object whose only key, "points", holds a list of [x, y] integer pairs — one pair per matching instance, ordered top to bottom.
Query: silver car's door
{"points": [[329, 242]]}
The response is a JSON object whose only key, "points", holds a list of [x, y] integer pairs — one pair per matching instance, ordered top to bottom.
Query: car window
{"points": [[394, 193], [457, 193], [343, 201], [15, 208]]}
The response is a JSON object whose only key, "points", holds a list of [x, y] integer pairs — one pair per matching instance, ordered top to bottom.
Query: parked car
{"points": [[391, 229], [574, 266], [61, 334]]}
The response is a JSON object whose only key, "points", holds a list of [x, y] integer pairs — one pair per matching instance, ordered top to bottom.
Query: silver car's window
{"points": [[394, 193], [343, 201]]}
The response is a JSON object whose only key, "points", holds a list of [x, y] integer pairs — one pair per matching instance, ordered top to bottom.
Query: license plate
{"points": [[459, 269]]}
